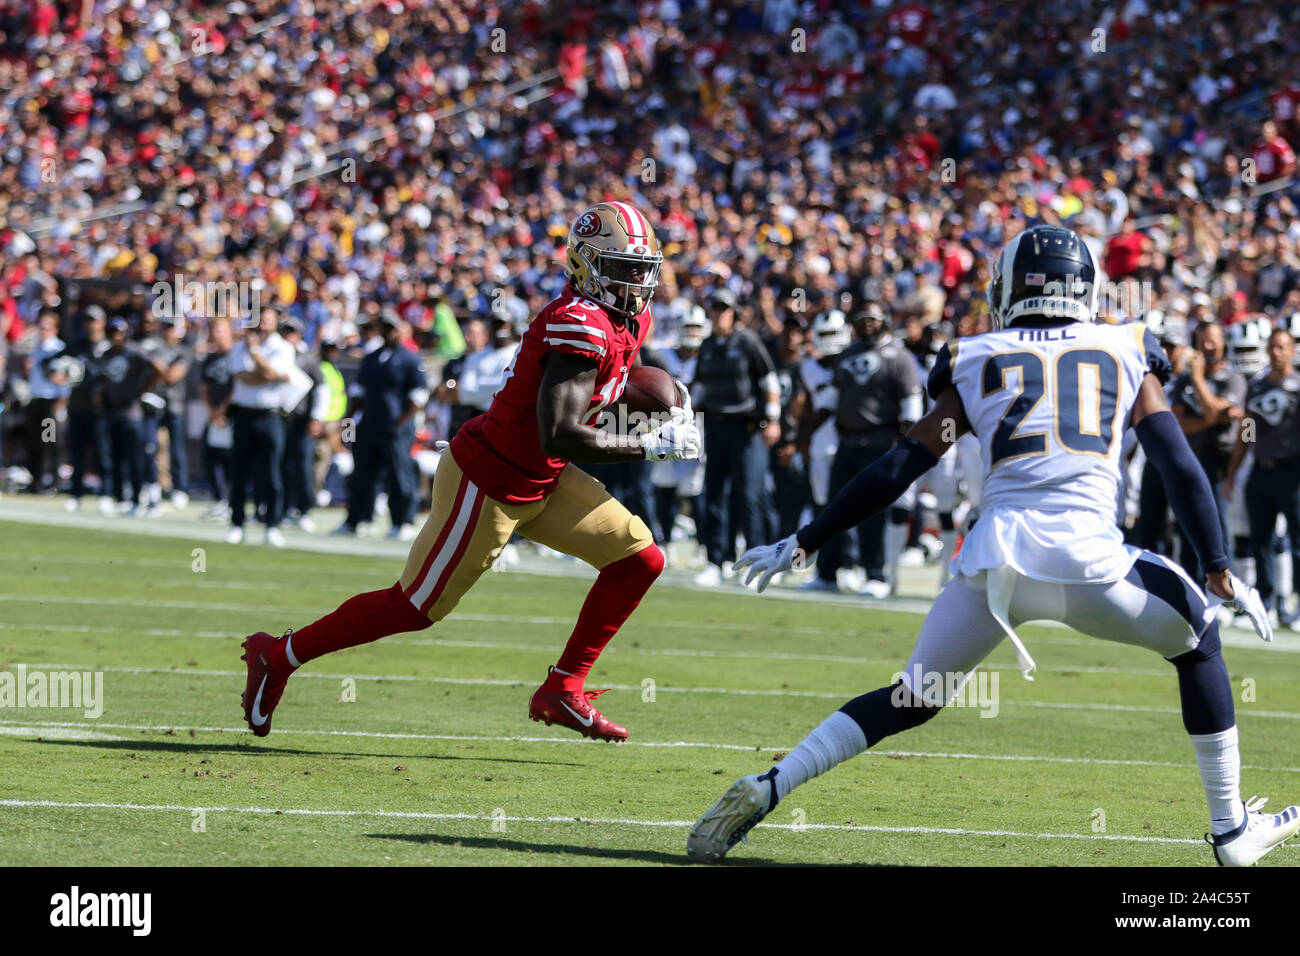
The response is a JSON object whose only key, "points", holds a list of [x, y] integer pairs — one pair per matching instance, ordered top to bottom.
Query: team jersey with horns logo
{"points": [[1049, 406], [500, 450]]}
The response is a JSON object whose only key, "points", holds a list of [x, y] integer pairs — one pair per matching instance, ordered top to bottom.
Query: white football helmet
{"points": [[695, 328], [831, 333], [1248, 345]]}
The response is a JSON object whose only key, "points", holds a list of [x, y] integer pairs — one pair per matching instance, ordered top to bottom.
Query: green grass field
{"points": [[435, 762]]}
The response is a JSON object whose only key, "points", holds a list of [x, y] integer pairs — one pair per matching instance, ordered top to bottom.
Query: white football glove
{"points": [[676, 440], [769, 560], [1246, 600]]}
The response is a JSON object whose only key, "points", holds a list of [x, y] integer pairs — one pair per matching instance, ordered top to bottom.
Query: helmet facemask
{"points": [[628, 279]]}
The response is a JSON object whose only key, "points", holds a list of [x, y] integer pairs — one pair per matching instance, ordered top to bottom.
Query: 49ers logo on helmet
{"points": [[587, 225]]}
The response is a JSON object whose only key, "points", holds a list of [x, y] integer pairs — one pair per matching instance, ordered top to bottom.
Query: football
{"points": [[650, 391]]}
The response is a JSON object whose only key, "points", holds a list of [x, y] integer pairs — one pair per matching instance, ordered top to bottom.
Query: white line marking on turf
{"points": [[550, 648], [504, 682], [54, 732], [679, 744], [603, 821]]}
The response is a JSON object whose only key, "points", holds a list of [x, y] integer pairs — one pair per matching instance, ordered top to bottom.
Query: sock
{"points": [[618, 590], [358, 620], [837, 739], [1219, 761]]}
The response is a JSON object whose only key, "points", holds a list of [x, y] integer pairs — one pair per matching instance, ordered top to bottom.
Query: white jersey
{"points": [[1049, 406]]}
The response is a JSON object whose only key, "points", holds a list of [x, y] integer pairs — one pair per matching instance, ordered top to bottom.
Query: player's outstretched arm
{"points": [[564, 402], [873, 489], [1192, 500]]}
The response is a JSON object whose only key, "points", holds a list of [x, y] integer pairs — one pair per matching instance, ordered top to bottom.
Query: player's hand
{"points": [[676, 440], [768, 560], [1237, 596]]}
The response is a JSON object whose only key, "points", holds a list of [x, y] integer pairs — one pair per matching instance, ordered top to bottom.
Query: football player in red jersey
{"points": [[508, 471]]}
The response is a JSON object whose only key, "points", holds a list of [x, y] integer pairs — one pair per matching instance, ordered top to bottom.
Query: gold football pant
{"points": [[466, 530]]}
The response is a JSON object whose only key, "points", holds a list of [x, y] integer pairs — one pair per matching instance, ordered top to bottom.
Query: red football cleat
{"points": [[264, 686], [571, 709]]}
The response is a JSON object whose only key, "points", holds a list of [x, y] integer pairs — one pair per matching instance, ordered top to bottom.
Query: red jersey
{"points": [[501, 450]]}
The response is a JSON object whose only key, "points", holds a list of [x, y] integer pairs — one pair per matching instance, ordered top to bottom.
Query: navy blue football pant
{"points": [[87, 430], [124, 440], [258, 448], [178, 454], [382, 455], [850, 459], [216, 462], [299, 465], [735, 475], [1271, 491], [792, 494]]}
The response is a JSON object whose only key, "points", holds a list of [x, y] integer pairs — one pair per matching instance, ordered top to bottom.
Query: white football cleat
{"points": [[235, 535], [274, 538], [746, 802], [1258, 834]]}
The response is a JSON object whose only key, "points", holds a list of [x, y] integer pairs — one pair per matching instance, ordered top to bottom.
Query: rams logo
{"points": [[587, 225]]}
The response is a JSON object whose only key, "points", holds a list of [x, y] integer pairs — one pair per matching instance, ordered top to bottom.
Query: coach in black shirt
{"points": [[737, 391], [1208, 402], [1272, 429]]}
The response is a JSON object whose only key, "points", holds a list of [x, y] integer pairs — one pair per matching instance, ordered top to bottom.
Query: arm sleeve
{"points": [[1186, 485], [874, 489]]}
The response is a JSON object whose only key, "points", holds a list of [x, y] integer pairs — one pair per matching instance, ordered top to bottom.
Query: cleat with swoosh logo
{"points": [[264, 686], [572, 709]]}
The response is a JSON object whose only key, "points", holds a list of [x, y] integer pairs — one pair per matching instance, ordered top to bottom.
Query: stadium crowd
{"points": [[829, 179]]}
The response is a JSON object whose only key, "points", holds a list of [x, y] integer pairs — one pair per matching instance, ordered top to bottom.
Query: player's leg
{"points": [[1290, 504], [582, 519], [463, 535], [1159, 607], [957, 634]]}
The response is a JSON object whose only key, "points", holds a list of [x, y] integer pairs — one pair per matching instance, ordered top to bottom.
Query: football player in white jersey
{"points": [[1049, 393]]}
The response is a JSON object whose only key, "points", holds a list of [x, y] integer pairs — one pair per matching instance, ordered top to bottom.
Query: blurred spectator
{"points": [[261, 364], [127, 374], [216, 385], [389, 388], [49, 390], [87, 428]]}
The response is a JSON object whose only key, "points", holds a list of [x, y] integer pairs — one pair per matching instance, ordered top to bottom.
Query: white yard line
{"points": [[549, 648], [667, 689], [653, 744], [602, 821]]}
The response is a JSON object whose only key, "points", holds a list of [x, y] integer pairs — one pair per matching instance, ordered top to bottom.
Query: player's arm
{"points": [[564, 401], [1185, 481], [881, 483], [873, 490]]}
